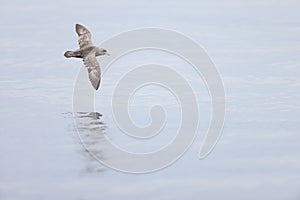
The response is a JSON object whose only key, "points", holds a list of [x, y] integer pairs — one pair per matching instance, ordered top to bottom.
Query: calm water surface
{"points": [[255, 46]]}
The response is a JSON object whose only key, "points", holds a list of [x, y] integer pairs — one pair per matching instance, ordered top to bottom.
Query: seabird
{"points": [[88, 52]]}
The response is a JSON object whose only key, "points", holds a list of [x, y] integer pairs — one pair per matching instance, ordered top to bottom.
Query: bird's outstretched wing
{"points": [[85, 37], [93, 67]]}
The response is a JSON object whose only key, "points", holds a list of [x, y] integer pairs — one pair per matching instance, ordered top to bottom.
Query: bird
{"points": [[88, 52]]}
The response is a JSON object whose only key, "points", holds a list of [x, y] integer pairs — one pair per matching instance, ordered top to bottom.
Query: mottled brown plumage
{"points": [[88, 52]]}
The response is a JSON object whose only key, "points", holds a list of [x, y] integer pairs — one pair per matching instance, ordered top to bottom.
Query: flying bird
{"points": [[88, 52]]}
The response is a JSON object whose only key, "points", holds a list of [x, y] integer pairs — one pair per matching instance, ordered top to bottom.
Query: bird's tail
{"points": [[69, 54]]}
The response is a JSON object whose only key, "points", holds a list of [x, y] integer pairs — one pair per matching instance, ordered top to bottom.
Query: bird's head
{"points": [[101, 52]]}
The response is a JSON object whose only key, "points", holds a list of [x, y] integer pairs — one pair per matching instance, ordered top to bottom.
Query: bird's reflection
{"points": [[91, 131]]}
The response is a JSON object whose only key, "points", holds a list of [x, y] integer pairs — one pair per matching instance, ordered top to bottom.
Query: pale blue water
{"points": [[255, 46]]}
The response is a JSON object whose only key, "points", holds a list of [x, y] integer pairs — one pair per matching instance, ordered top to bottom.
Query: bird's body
{"points": [[80, 53], [88, 53]]}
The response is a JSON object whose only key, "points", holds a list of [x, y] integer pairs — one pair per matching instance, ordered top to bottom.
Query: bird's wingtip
{"points": [[80, 29], [97, 86]]}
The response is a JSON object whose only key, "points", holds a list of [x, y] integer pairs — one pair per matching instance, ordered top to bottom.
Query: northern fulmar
{"points": [[88, 52]]}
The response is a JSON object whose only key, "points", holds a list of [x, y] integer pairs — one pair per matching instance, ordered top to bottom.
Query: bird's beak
{"points": [[107, 54]]}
